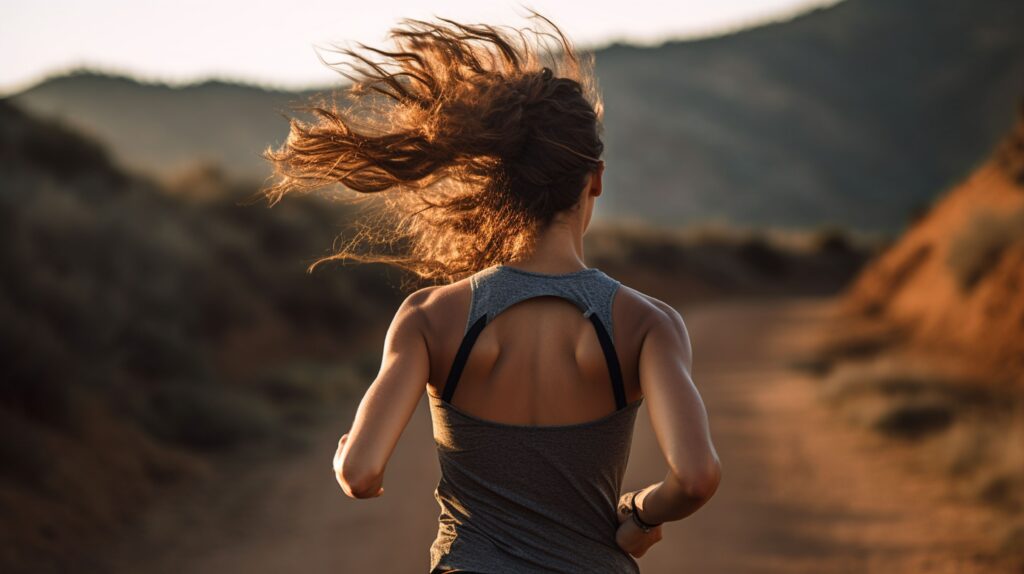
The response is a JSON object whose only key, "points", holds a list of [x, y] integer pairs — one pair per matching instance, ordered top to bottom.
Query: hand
{"points": [[337, 471], [630, 537]]}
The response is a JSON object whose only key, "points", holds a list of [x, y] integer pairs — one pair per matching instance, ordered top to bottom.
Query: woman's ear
{"points": [[595, 179]]}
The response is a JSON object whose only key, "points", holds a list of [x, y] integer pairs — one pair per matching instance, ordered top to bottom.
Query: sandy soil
{"points": [[802, 491]]}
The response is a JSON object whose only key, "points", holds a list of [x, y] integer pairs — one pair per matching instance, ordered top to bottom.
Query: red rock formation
{"points": [[955, 280]]}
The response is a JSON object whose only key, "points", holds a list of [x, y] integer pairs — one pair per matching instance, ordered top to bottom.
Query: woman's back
{"points": [[487, 150], [539, 361], [533, 420]]}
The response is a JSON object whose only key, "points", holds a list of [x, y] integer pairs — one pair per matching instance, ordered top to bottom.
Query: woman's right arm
{"points": [[680, 423]]}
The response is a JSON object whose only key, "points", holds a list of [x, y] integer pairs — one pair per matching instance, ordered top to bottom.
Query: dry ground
{"points": [[801, 492]]}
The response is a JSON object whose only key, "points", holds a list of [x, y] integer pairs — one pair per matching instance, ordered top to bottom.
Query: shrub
{"points": [[832, 241], [979, 246], [763, 257], [852, 341], [897, 376], [208, 417], [913, 420]]}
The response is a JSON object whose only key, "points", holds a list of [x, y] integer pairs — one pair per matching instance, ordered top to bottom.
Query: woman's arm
{"points": [[388, 404], [680, 423]]}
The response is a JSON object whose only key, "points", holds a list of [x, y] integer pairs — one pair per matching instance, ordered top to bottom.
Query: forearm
{"points": [[670, 500]]}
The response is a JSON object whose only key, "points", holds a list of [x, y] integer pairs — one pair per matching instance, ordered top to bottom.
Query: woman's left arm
{"points": [[388, 404]]}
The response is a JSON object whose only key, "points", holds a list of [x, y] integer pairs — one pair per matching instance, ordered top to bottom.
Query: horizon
{"points": [[292, 63]]}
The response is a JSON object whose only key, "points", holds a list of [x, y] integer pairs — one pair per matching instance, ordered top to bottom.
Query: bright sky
{"points": [[273, 43]]}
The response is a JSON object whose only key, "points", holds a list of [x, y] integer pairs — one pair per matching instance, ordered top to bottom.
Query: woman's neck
{"points": [[559, 249]]}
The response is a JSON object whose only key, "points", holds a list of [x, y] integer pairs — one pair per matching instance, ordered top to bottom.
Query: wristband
{"points": [[636, 515]]}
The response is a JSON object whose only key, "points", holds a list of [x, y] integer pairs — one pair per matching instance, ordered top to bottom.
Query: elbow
{"points": [[359, 481], [700, 482]]}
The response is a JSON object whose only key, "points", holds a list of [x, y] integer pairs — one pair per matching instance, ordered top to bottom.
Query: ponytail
{"points": [[473, 141]]}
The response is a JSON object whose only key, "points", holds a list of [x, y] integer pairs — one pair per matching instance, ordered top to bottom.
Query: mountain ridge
{"points": [[855, 114]]}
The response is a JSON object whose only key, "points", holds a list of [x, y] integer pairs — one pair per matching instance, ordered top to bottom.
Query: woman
{"points": [[488, 159]]}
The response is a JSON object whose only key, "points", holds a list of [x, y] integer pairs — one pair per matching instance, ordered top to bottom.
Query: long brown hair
{"points": [[474, 138]]}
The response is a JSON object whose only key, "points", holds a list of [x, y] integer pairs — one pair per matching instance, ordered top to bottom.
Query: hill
{"points": [[853, 115], [163, 130], [955, 281], [153, 335], [146, 336], [928, 346]]}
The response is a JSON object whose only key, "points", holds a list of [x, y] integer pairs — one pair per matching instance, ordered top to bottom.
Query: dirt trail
{"points": [[801, 491]]}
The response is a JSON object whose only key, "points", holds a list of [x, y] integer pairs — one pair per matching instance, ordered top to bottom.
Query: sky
{"points": [[275, 44]]}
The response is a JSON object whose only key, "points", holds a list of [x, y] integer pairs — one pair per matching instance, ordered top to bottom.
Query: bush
{"points": [[832, 241], [979, 246], [761, 256], [853, 341], [896, 376], [312, 383], [208, 417], [912, 420]]}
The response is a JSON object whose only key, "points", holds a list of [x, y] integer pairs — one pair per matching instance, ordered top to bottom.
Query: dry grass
{"points": [[977, 249], [853, 339], [957, 423]]}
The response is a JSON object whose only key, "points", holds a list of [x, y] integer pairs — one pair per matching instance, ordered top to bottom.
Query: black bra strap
{"points": [[460, 358], [613, 361], [614, 369]]}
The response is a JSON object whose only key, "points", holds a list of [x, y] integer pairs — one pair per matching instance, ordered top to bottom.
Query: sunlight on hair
{"points": [[474, 136]]}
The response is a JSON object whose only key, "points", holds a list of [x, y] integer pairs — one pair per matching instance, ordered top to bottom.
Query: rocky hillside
{"points": [[955, 281]]}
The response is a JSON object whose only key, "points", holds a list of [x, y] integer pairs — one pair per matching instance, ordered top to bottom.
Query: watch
{"points": [[636, 515]]}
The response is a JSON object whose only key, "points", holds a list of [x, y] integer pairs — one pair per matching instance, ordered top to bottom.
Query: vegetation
{"points": [[854, 114], [978, 248], [709, 262], [153, 332], [146, 335], [963, 423]]}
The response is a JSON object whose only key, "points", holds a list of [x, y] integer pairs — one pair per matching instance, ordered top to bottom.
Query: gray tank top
{"points": [[526, 498]]}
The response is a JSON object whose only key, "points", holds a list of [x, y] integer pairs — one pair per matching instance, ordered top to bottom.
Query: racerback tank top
{"points": [[532, 498]]}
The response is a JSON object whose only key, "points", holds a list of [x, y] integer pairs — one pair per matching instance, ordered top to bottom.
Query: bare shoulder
{"points": [[438, 304], [653, 316]]}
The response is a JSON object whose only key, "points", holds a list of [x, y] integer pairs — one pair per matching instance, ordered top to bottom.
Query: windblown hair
{"points": [[473, 139]]}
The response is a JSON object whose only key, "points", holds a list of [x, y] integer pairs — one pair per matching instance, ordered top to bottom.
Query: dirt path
{"points": [[801, 491]]}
